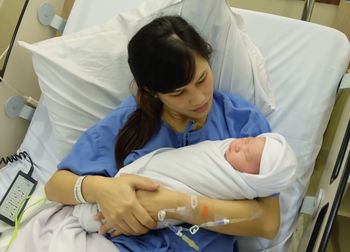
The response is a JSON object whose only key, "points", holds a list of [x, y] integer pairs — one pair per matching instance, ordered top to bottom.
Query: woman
{"points": [[175, 105]]}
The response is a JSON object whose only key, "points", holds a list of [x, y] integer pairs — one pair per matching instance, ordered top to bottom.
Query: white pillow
{"points": [[84, 75]]}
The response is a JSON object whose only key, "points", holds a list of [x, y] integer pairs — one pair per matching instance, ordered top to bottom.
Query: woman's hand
{"points": [[120, 208]]}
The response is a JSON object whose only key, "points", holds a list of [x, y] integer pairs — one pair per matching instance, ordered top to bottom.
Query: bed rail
{"points": [[308, 8], [334, 178]]}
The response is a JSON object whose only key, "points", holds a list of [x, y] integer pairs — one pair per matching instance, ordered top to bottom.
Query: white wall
{"points": [[9, 12], [322, 14], [19, 73]]}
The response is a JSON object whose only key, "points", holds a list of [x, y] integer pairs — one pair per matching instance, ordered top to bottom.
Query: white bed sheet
{"points": [[298, 56], [306, 62], [295, 78], [40, 144]]}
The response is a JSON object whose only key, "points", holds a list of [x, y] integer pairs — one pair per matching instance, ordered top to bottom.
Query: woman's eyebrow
{"points": [[202, 76], [199, 80], [177, 90]]}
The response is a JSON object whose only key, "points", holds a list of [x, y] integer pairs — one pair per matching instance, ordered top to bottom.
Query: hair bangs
{"points": [[174, 65]]}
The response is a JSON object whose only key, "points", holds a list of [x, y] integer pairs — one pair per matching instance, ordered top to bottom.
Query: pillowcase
{"points": [[84, 75]]}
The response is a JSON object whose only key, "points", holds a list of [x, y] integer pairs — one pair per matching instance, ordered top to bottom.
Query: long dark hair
{"points": [[161, 58]]}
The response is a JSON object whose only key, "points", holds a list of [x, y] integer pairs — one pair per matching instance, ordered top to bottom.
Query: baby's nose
{"points": [[237, 147]]}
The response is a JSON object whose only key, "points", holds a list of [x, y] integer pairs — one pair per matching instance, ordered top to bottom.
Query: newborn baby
{"points": [[226, 169]]}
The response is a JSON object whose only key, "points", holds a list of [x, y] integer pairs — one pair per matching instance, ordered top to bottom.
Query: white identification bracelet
{"points": [[77, 190]]}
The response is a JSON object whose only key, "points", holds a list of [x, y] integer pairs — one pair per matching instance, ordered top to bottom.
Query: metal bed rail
{"points": [[308, 8]]}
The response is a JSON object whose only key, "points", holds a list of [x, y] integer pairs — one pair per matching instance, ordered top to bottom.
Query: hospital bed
{"points": [[306, 64]]}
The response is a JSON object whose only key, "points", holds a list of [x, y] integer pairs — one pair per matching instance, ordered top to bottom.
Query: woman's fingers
{"points": [[142, 183], [121, 208], [99, 216], [144, 218], [129, 225], [136, 226], [104, 229], [122, 229], [115, 233]]}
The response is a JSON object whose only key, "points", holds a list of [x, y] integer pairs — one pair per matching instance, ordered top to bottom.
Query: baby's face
{"points": [[244, 154]]}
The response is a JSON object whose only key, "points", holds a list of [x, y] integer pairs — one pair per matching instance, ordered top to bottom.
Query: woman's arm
{"points": [[60, 188], [115, 196], [265, 211], [266, 224]]}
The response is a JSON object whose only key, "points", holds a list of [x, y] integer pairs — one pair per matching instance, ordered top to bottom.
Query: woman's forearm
{"points": [[60, 187], [265, 213]]}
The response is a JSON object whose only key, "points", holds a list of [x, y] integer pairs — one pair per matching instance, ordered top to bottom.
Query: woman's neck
{"points": [[179, 122]]}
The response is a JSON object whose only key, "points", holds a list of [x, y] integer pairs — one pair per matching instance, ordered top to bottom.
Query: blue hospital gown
{"points": [[230, 116]]}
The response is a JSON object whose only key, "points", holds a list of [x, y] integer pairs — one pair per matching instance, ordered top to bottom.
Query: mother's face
{"points": [[194, 100]]}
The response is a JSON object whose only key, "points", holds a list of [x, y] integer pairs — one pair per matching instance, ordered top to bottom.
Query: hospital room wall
{"points": [[9, 11], [322, 14], [325, 14], [342, 21], [20, 75]]}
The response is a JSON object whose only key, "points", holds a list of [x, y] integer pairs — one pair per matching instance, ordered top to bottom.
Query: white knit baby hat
{"points": [[278, 157], [278, 167]]}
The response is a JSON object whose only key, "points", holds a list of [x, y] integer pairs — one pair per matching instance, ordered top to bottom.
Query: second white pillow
{"points": [[84, 75]]}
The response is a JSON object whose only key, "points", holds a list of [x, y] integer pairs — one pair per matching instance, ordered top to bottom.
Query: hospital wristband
{"points": [[77, 190]]}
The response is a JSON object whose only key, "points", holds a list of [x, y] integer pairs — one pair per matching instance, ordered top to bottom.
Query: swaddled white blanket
{"points": [[198, 169], [202, 169]]}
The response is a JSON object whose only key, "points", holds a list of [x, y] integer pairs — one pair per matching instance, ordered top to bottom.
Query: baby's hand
{"points": [[85, 213]]}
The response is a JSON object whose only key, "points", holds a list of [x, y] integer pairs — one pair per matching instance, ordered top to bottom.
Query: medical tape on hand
{"points": [[184, 211], [161, 215]]}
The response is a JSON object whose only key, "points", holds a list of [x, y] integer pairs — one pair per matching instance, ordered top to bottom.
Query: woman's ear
{"points": [[152, 93]]}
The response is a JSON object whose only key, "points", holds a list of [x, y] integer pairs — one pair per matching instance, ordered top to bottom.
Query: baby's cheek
{"points": [[236, 161]]}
